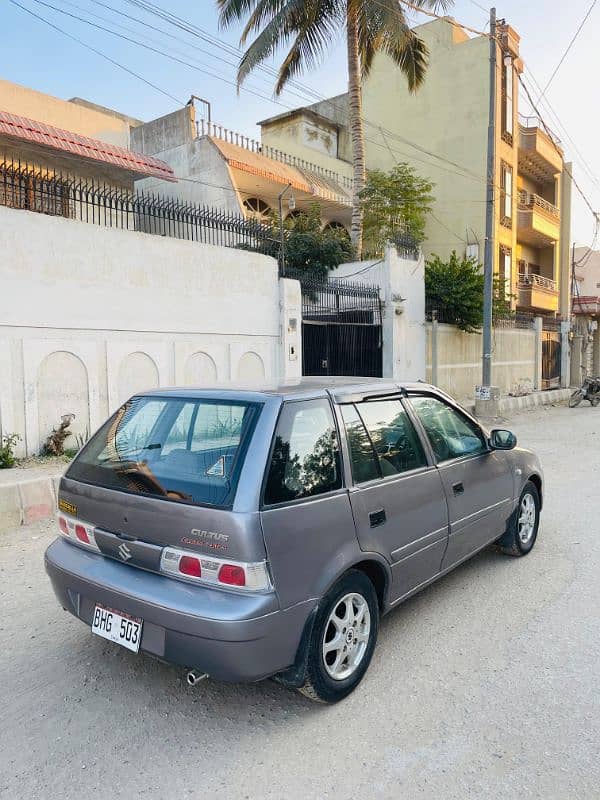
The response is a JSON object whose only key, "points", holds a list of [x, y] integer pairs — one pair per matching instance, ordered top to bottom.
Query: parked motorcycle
{"points": [[590, 390]]}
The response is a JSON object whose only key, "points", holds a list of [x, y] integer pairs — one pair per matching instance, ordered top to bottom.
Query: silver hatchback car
{"points": [[245, 534]]}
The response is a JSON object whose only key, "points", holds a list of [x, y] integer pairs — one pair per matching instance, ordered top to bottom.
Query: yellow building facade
{"points": [[442, 131]]}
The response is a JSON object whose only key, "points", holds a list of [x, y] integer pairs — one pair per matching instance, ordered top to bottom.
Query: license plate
{"points": [[116, 626]]}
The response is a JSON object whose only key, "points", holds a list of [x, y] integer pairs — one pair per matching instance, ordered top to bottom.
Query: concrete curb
{"points": [[508, 405], [27, 500]]}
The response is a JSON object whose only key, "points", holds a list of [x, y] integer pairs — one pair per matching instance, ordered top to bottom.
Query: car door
{"points": [[477, 480], [397, 497], [306, 516]]}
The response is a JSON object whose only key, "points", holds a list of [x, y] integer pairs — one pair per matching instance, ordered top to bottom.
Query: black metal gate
{"points": [[341, 329], [551, 354]]}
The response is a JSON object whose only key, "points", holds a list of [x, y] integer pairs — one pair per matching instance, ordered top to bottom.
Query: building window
{"points": [[507, 99], [506, 195], [257, 209], [336, 227], [505, 271]]}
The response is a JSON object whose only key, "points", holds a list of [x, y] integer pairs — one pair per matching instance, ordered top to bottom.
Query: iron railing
{"points": [[205, 128], [30, 188], [528, 201], [537, 281]]}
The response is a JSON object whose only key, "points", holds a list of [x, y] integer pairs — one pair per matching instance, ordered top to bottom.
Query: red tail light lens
{"points": [[63, 525], [81, 534], [188, 565], [232, 575]]}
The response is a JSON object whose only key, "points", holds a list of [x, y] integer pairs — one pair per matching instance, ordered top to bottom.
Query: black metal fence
{"points": [[33, 189], [341, 328]]}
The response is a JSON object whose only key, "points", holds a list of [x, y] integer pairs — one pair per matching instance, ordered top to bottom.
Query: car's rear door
{"points": [[478, 481], [397, 497], [306, 516]]}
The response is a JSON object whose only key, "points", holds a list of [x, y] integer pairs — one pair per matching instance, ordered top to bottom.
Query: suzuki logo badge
{"points": [[125, 552]]}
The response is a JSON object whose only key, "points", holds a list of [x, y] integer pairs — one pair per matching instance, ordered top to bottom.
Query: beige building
{"points": [[442, 132], [65, 140]]}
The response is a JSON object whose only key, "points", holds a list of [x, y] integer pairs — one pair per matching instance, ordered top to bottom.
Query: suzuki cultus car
{"points": [[246, 534]]}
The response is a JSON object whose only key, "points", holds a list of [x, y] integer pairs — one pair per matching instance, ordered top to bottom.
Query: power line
{"points": [[569, 46], [97, 52], [557, 148]]}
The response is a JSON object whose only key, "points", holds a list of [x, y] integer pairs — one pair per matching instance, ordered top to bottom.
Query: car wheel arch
{"points": [[537, 482], [377, 571]]}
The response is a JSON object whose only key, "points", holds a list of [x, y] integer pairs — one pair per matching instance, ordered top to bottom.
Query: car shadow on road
{"points": [[407, 642]]}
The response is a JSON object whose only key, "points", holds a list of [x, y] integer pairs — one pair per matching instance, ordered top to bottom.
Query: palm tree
{"points": [[371, 26]]}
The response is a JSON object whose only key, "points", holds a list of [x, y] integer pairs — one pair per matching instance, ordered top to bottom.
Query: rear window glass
{"points": [[184, 450], [305, 460]]}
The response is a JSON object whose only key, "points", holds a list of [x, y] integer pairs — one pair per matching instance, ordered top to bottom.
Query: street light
{"points": [[281, 236]]}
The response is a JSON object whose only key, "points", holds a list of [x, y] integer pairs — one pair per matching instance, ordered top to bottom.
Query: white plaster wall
{"points": [[402, 283], [93, 314]]}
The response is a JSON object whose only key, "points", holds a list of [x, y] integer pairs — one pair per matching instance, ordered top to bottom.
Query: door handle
{"points": [[458, 488], [377, 518]]}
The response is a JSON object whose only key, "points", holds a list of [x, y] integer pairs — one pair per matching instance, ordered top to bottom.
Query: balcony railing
{"points": [[535, 122], [204, 128], [528, 201], [538, 282]]}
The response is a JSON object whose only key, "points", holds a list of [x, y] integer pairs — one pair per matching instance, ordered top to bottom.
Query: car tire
{"points": [[576, 398], [522, 531], [348, 616]]}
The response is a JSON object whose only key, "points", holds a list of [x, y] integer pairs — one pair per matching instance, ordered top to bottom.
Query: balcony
{"points": [[540, 156], [538, 221], [538, 292]]}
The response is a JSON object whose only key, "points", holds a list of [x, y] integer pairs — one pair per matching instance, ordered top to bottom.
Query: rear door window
{"points": [[386, 440], [187, 450], [305, 460]]}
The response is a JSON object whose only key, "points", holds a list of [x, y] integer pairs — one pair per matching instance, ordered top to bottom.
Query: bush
{"points": [[311, 251], [455, 289], [7, 446]]}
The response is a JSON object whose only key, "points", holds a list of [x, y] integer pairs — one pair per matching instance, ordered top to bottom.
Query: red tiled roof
{"points": [[30, 130]]}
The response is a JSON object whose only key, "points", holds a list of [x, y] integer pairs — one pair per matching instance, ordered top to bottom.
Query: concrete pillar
{"points": [[290, 322], [404, 334], [434, 348], [596, 353], [565, 355], [576, 360], [537, 374]]}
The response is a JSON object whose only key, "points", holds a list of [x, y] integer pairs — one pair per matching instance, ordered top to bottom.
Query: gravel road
{"points": [[486, 685]]}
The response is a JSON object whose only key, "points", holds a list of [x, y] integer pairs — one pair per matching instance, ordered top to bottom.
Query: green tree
{"points": [[308, 28], [394, 202], [311, 250], [455, 289]]}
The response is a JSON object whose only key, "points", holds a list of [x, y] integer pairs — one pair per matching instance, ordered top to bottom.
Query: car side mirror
{"points": [[502, 440]]}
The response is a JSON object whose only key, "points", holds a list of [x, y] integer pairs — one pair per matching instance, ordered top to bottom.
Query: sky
{"points": [[39, 56]]}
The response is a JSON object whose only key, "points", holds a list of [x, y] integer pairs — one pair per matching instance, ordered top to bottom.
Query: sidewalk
{"points": [[510, 405], [28, 494]]}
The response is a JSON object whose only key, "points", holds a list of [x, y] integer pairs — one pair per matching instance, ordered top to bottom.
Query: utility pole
{"points": [[488, 260]]}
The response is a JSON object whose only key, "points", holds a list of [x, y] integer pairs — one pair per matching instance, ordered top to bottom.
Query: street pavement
{"points": [[485, 685]]}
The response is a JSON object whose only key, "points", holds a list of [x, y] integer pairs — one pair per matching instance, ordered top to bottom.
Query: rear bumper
{"points": [[232, 637]]}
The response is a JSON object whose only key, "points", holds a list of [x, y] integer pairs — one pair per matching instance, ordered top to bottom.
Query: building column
{"points": [[576, 360], [537, 372]]}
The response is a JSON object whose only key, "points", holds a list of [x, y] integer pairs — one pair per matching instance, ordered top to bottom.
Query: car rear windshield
{"points": [[185, 450]]}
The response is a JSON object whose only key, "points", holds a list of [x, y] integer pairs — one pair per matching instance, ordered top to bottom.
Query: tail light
{"points": [[78, 532], [246, 576]]}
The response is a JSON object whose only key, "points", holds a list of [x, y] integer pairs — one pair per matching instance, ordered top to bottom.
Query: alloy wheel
{"points": [[527, 519], [346, 636]]}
